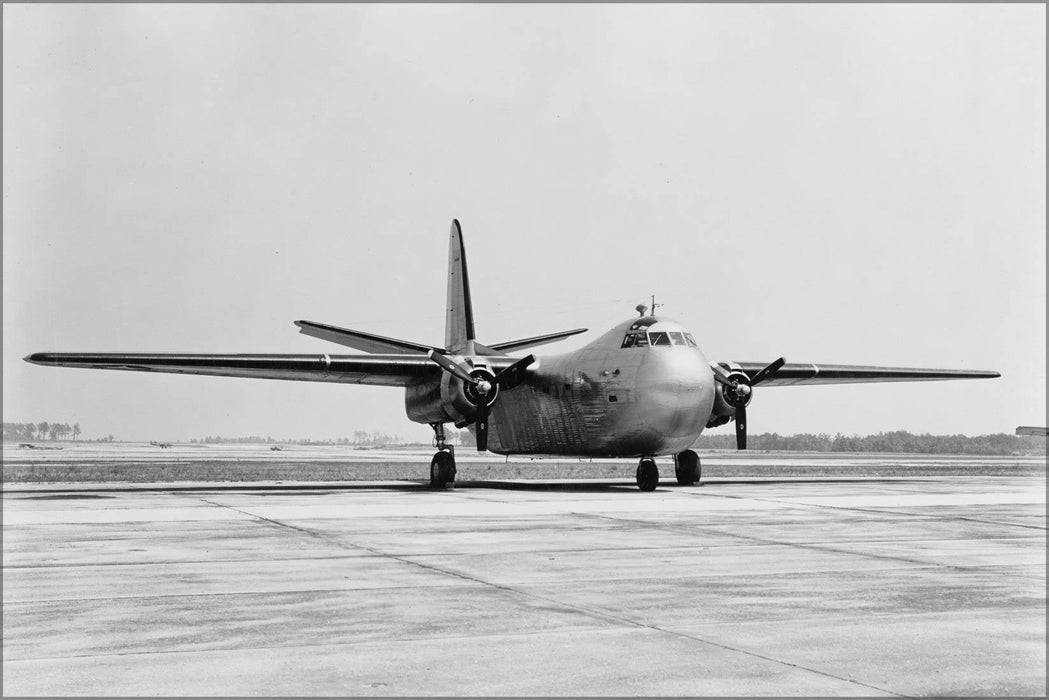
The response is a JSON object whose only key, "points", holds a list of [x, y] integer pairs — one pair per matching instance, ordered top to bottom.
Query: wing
{"points": [[378, 370], [382, 370], [807, 373]]}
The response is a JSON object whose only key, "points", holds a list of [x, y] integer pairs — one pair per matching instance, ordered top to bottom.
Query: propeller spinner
{"points": [[482, 388], [739, 388]]}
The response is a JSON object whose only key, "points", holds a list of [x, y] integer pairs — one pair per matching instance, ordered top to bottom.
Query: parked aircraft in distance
{"points": [[643, 389], [1032, 430], [163, 445]]}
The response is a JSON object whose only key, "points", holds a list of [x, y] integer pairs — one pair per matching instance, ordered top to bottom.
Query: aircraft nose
{"points": [[675, 391]]}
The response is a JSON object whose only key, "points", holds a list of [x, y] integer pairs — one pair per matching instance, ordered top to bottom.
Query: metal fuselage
{"points": [[609, 400]]}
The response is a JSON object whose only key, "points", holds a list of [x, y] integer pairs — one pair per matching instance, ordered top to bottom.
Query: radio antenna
{"points": [[654, 305]]}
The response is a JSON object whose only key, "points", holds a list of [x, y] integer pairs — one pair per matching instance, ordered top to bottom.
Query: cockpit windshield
{"points": [[640, 339]]}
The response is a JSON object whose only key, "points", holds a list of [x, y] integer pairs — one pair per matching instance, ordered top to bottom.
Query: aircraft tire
{"points": [[687, 468], [442, 470], [647, 475]]}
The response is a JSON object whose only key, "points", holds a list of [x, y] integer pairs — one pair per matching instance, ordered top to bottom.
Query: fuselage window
{"points": [[659, 338], [677, 338], [628, 340], [691, 340]]}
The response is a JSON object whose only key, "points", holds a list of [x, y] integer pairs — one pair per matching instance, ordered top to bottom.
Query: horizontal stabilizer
{"points": [[537, 340], [361, 341]]}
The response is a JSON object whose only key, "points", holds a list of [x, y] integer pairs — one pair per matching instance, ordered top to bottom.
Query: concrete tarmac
{"points": [[805, 586]]}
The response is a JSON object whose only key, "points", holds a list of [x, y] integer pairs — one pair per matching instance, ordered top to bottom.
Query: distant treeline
{"points": [[29, 432], [360, 437], [897, 441]]}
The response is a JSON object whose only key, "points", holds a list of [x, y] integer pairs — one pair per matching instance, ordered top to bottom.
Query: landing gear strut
{"points": [[442, 466], [687, 468], [647, 474]]}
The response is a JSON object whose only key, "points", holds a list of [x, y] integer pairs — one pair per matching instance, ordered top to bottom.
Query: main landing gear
{"points": [[442, 466], [686, 469]]}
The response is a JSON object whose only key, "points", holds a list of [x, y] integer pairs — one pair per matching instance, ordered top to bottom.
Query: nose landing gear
{"points": [[442, 466], [687, 468], [647, 474]]}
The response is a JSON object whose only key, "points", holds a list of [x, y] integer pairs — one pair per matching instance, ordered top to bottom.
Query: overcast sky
{"points": [[859, 184]]}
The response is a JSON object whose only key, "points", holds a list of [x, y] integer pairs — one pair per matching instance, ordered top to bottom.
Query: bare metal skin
{"points": [[605, 400]]}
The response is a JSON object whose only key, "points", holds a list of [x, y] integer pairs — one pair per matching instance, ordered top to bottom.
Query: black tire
{"points": [[687, 468], [442, 470], [647, 475]]}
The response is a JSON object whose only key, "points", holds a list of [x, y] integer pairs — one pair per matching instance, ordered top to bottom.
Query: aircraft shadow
{"points": [[423, 486]]}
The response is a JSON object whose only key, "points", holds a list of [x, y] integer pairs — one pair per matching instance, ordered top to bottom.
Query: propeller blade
{"points": [[446, 363], [767, 372], [514, 374], [721, 378], [482, 426], [741, 426]]}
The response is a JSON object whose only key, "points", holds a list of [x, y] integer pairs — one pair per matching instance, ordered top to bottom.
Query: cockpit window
{"points": [[639, 339], [635, 340]]}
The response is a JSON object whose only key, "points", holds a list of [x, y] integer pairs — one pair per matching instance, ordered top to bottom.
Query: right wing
{"points": [[378, 370], [382, 370]]}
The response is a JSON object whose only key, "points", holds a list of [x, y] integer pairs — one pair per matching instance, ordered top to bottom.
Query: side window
{"points": [[659, 338], [677, 338], [628, 340], [691, 340]]}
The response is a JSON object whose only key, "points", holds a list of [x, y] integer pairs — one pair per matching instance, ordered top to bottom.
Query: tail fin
{"points": [[459, 325]]}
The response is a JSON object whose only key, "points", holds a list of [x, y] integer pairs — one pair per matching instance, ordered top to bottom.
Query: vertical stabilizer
{"points": [[459, 325]]}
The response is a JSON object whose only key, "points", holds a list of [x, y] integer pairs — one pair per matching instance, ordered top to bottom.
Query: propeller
{"points": [[741, 387], [481, 388]]}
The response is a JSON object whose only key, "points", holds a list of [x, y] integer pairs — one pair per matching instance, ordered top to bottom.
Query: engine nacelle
{"points": [[447, 400], [725, 400], [423, 404]]}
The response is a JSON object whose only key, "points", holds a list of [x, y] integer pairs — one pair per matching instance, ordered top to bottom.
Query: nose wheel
{"points": [[687, 468], [647, 474]]}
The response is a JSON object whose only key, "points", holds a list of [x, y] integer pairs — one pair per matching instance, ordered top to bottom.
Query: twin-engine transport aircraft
{"points": [[643, 389]]}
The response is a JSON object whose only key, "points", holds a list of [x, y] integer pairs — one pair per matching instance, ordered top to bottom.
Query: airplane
{"points": [[643, 389], [1037, 431], [162, 445]]}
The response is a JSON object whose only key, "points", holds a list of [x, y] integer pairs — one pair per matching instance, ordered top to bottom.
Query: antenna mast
{"points": [[654, 305]]}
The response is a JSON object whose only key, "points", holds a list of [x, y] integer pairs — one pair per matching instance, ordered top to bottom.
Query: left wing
{"points": [[808, 373]]}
